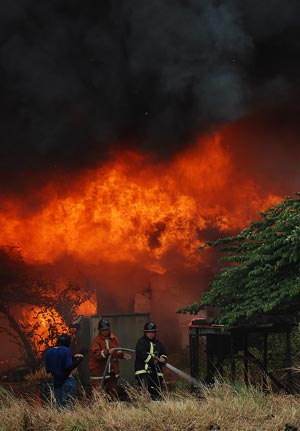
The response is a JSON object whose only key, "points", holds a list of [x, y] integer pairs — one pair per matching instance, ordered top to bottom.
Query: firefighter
{"points": [[101, 351], [149, 360], [60, 363]]}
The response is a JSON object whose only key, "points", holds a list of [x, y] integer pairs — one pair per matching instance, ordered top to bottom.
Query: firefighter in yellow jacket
{"points": [[101, 350], [149, 361]]}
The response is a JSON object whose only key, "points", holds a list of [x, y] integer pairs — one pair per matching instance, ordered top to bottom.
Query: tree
{"points": [[262, 268], [23, 292]]}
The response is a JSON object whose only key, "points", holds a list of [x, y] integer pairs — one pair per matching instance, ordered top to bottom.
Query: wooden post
{"points": [[194, 352], [232, 357], [265, 358], [288, 360], [246, 363], [210, 367]]}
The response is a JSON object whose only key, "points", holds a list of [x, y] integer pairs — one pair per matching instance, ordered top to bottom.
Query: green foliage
{"points": [[261, 266]]}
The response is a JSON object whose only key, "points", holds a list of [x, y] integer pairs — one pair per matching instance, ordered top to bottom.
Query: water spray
{"points": [[175, 370]]}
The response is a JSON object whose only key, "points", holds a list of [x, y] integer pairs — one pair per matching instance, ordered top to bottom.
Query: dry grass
{"points": [[36, 376], [219, 408]]}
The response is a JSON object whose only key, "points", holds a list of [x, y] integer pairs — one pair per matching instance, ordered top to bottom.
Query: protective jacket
{"points": [[99, 354], [144, 357]]}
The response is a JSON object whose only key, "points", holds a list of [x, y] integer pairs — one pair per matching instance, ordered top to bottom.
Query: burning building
{"points": [[134, 131]]}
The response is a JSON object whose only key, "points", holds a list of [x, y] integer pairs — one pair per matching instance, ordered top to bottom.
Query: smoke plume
{"points": [[80, 80]]}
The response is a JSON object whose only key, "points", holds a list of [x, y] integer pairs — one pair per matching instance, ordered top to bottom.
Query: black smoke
{"points": [[80, 79]]}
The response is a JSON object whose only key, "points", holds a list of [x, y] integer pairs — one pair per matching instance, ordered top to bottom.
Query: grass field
{"points": [[222, 407]]}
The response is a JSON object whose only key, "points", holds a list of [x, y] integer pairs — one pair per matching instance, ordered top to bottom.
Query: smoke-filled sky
{"points": [[81, 78]]}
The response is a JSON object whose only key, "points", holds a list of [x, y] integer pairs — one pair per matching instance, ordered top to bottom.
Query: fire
{"points": [[133, 210], [130, 229], [88, 307], [43, 325]]}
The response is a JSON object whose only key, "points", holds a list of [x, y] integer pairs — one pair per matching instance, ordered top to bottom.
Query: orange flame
{"points": [[133, 210], [43, 320]]}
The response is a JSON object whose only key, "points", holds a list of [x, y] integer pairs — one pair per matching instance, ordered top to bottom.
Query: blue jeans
{"points": [[65, 394]]}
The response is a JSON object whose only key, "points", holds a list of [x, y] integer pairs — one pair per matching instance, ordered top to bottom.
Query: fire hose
{"points": [[175, 370]]}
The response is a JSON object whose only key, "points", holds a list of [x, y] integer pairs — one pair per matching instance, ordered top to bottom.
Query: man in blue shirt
{"points": [[60, 363]]}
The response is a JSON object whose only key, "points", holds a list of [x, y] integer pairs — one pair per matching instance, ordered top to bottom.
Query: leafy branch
{"points": [[261, 267]]}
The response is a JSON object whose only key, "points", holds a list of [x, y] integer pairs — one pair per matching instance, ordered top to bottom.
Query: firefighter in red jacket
{"points": [[101, 352]]}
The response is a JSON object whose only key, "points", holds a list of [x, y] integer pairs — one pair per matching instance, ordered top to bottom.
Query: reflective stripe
{"points": [[151, 348], [103, 354], [150, 355], [148, 358], [140, 372], [101, 378]]}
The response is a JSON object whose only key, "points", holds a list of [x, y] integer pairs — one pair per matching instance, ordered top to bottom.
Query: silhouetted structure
{"points": [[246, 350]]}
